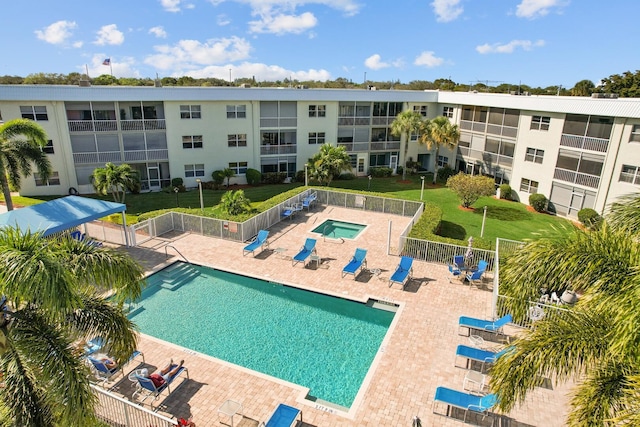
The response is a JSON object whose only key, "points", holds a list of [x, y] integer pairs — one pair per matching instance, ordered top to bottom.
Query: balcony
{"points": [[354, 121], [92, 125], [142, 125], [472, 126], [585, 143], [387, 145], [353, 147], [266, 150], [146, 155], [97, 157], [490, 159], [578, 178]]}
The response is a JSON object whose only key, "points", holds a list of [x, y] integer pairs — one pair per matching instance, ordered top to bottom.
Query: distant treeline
{"points": [[625, 85]]}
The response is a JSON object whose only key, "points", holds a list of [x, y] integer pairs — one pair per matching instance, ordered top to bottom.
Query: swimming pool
{"points": [[339, 229], [324, 343]]}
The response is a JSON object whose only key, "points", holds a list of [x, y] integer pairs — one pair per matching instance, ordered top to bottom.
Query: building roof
{"points": [[59, 214]]}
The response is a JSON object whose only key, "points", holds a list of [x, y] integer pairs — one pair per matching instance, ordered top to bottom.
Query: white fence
{"points": [[429, 251], [119, 412]]}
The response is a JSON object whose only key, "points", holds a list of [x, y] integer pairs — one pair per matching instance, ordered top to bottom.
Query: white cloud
{"points": [[171, 5], [532, 9], [447, 10], [222, 20], [283, 24], [158, 32], [57, 33], [109, 35], [77, 44], [508, 47], [191, 54], [428, 59], [374, 62], [261, 72]]}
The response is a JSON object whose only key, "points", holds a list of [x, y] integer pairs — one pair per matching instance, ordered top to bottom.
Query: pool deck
{"points": [[417, 356]]}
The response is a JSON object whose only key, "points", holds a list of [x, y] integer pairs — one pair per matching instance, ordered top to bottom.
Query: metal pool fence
{"points": [[116, 411]]}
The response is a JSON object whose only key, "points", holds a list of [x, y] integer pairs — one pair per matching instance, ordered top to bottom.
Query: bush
{"points": [[399, 170], [380, 172], [444, 173], [300, 176], [348, 176], [254, 177], [274, 177], [218, 179], [177, 182], [469, 188], [505, 192], [538, 202], [589, 217]]}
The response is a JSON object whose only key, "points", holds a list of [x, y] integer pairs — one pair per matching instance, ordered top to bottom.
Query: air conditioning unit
{"points": [[84, 83], [245, 85], [372, 87], [598, 95]]}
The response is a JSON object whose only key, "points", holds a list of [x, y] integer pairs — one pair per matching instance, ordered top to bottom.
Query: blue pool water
{"points": [[339, 229], [321, 342]]}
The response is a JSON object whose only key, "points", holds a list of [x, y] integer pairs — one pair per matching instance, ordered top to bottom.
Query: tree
{"points": [[626, 85], [583, 88], [405, 124], [439, 132], [21, 143], [330, 161], [228, 173], [115, 180], [469, 188], [235, 202], [55, 291], [595, 342]]}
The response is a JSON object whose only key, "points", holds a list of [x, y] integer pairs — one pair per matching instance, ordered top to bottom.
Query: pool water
{"points": [[339, 229], [324, 343]]}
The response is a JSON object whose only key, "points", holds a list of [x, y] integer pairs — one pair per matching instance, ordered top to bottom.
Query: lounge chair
{"points": [[308, 201], [290, 211], [81, 237], [258, 243], [305, 252], [359, 260], [458, 261], [403, 272], [455, 272], [475, 278], [494, 326], [93, 345], [477, 355], [104, 374], [148, 389], [466, 401], [283, 416]]}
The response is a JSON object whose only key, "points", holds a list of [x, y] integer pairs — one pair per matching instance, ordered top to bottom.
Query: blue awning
{"points": [[59, 214]]}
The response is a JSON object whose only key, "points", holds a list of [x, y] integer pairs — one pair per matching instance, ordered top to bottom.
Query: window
{"points": [[420, 109], [317, 110], [236, 111], [447, 111], [190, 112], [37, 113], [540, 122], [635, 134], [316, 137], [237, 140], [192, 141], [48, 148], [534, 155], [443, 161], [239, 168], [191, 171], [630, 174], [54, 179], [528, 186]]}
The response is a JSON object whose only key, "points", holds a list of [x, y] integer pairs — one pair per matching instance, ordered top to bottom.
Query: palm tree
{"points": [[405, 124], [439, 132], [21, 143], [330, 161], [228, 173], [115, 180], [235, 202], [55, 298], [597, 342]]}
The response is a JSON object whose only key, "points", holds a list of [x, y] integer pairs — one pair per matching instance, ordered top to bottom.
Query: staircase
{"points": [[174, 276]]}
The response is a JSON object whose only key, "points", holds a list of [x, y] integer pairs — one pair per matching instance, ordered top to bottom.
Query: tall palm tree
{"points": [[405, 124], [436, 133], [21, 143], [328, 162], [115, 180], [235, 202], [55, 298], [597, 342]]}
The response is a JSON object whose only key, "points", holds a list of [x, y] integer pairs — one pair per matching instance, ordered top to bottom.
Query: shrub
{"points": [[399, 170], [380, 172], [444, 173], [300, 176], [346, 176], [254, 177], [274, 177], [177, 182], [469, 188], [505, 192], [538, 202], [589, 217]]}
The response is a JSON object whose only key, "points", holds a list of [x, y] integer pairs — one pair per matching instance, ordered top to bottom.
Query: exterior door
{"points": [[393, 162], [360, 171], [154, 177]]}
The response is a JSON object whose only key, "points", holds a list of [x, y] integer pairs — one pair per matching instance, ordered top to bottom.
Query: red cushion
{"points": [[157, 380]]}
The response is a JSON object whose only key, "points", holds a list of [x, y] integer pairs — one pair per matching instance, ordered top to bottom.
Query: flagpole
{"points": [[110, 67]]}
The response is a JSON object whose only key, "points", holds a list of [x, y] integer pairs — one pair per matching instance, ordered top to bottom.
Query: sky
{"points": [[539, 43]]}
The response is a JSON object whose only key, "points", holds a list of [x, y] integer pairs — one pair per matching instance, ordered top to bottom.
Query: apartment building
{"points": [[578, 152]]}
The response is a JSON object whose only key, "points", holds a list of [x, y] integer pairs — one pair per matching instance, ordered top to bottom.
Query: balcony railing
{"points": [[354, 121], [278, 122], [92, 125], [140, 125], [507, 131], [585, 143], [387, 145], [354, 146], [278, 149], [146, 155], [97, 157], [485, 157], [578, 178]]}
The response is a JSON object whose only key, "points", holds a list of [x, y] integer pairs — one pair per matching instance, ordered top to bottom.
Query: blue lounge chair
{"points": [[308, 201], [288, 212], [81, 237], [258, 243], [305, 252], [359, 260], [458, 261], [403, 272], [455, 272], [475, 278], [483, 325], [93, 345], [483, 356], [104, 374], [149, 389], [466, 401], [283, 416]]}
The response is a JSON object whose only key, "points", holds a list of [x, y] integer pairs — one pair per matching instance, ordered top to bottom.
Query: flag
{"points": [[106, 61]]}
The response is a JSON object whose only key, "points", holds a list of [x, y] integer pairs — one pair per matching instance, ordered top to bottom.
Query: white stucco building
{"points": [[578, 152]]}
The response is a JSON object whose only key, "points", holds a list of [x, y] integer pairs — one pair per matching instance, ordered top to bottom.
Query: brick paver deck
{"points": [[417, 357]]}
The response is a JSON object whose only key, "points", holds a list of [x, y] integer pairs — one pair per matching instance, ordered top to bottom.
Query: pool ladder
{"points": [[324, 235], [175, 249]]}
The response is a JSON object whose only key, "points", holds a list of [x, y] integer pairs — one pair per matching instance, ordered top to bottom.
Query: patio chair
{"points": [[308, 201], [258, 243], [305, 252], [359, 261], [458, 261], [482, 266], [454, 271], [403, 272], [475, 278], [494, 326], [93, 345], [485, 357], [104, 374], [147, 388], [466, 401], [283, 416]]}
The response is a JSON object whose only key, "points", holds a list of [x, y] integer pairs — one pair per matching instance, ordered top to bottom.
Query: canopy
{"points": [[59, 214]]}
